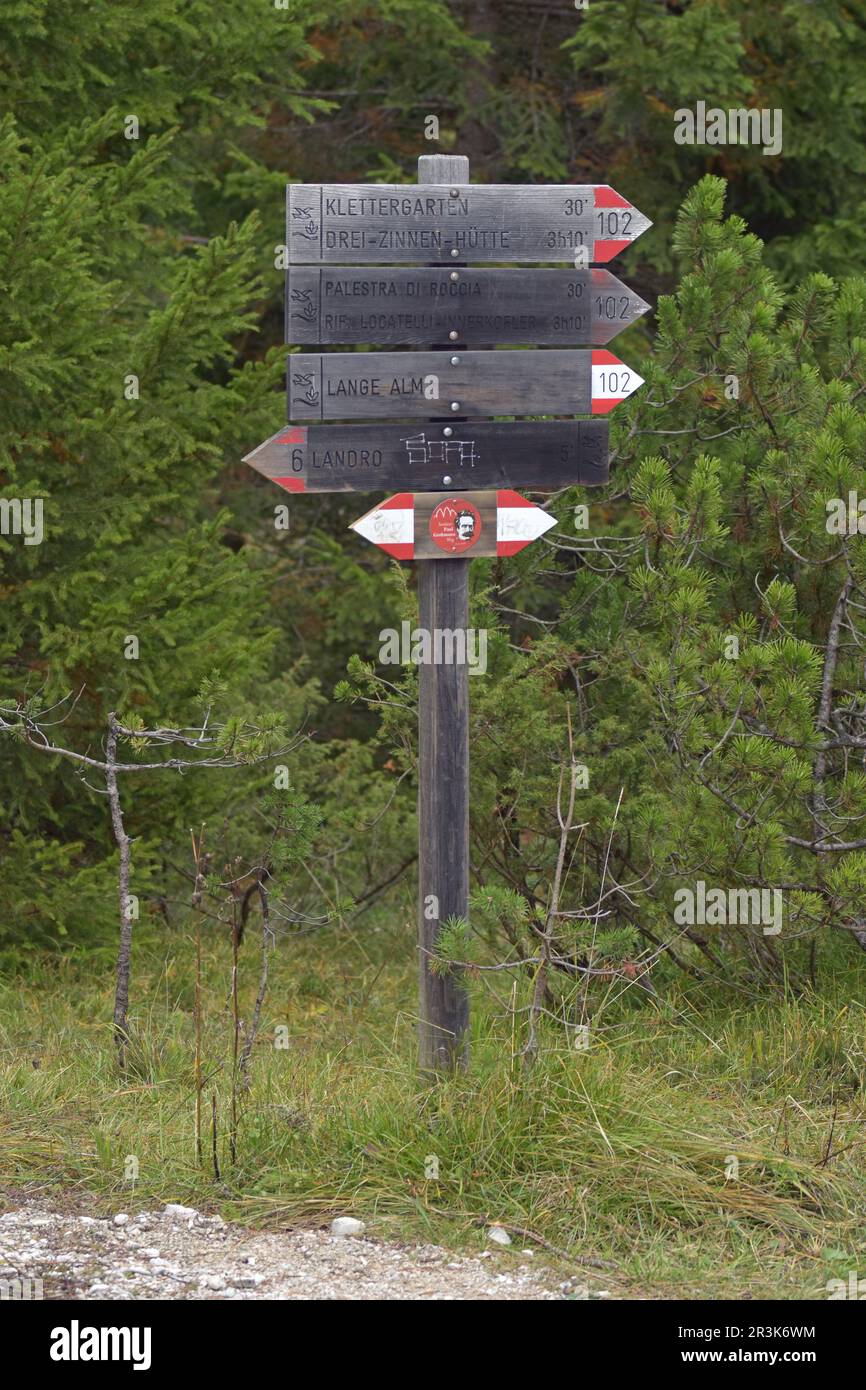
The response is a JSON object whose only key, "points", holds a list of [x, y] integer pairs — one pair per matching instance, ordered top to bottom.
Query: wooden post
{"points": [[384, 227], [443, 772]]}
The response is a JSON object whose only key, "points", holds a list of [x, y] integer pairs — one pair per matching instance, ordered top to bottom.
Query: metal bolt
{"points": [[455, 193], [454, 253], [455, 275], [453, 335], [455, 361], [455, 405], [447, 431], [447, 480]]}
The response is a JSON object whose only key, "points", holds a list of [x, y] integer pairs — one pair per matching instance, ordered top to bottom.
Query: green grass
{"points": [[616, 1154]]}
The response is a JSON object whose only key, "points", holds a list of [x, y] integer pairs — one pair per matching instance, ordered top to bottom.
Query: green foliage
{"points": [[637, 64], [121, 398], [684, 638], [687, 639], [691, 665], [714, 744], [453, 946], [644, 1120]]}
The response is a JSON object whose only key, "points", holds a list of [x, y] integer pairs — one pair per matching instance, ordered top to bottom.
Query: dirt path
{"points": [[176, 1252]]}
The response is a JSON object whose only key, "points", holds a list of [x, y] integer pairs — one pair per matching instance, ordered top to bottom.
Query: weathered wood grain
{"points": [[463, 222], [466, 306], [416, 385], [543, 455], [443, 780], [443, 812]]}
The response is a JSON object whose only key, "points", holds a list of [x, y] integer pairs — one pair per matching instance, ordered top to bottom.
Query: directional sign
{"points": [[338, 223], [368, 304], [403, 385], [544, 455], [453, 474], [454, 525]]}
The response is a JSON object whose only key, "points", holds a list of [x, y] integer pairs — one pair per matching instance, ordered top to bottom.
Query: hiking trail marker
{"points": [[342, 223], [395, 265], [481, 308], [406, 385], [542, 454], [440, 526]]}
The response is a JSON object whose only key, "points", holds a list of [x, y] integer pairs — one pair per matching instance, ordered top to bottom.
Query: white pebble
{"points": [[347, 1226], [497, 1236]]}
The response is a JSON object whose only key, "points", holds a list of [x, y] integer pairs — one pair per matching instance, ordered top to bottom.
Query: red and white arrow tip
{"points": [[620, 223], [612, 381], [518, 522], [392, 526]]}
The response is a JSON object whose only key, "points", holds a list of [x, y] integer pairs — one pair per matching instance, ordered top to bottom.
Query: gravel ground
{"points": [[179, 1253]]}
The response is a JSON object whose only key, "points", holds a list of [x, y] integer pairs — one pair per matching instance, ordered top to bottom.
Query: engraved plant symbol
{"points": [[311, 229], [306, 309], [304, 382]]}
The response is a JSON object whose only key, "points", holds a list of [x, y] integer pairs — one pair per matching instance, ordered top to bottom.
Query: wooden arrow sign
{"points": [[337, 223], [480, 308], [407, 385], [544, 455], [457, 525]]}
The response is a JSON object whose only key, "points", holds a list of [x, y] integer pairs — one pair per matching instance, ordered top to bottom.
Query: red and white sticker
{"points": [[612, 381], [455, 525]]}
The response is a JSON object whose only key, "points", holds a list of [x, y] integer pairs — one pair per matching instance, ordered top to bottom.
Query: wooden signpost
{"points": [[342, 223], [351, 247], [481, 308], [406, 385], [545, 455], [442, 526]]}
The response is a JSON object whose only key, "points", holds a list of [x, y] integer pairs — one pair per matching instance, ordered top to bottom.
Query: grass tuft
{"points": [[621, 1154]]}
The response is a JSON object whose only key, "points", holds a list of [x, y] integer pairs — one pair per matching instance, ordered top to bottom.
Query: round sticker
{"points": [[455, 525]]}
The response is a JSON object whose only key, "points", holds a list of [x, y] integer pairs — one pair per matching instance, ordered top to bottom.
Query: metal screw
{"points": [[455, 193], [454, 253], [455, 275], [453, 335], [455, 361], [455, 405], [447, 431], [447, 480]]}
